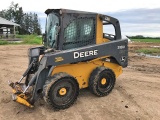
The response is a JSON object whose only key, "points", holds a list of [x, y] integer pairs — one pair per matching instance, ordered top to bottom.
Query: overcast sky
{"points": [[136, 17]]}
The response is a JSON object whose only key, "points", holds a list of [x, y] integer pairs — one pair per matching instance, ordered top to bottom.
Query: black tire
{"points": [[97, 86], [54, 95]]}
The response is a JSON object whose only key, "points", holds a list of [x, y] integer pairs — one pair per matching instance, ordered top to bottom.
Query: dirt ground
{"points": [[136, 95]]}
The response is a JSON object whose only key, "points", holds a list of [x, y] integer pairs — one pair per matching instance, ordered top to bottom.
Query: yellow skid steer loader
{"points": [[77, 53]]}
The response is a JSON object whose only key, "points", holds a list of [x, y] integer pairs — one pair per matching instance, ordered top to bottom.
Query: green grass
{"points": [[26, 39], [31, 39], [147, 40], [2, 42], [152, 51]]}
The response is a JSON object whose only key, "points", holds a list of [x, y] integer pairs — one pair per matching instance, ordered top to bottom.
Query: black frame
{"points": [[114, 22]]}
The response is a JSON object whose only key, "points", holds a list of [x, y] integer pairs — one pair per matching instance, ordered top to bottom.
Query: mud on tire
{"points": [[102, 81], [61, 91]]}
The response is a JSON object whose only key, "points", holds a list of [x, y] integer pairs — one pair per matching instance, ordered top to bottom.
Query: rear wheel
{"points": [[102, 81], [61, 91]]}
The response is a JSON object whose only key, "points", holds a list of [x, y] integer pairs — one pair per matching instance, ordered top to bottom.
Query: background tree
{"points": [[28, 21]]}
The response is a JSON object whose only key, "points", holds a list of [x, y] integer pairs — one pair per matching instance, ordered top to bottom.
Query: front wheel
{"points": [[61, 91]]}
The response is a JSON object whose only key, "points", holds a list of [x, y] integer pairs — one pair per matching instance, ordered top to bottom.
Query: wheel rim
{"points": [[104, 82], [63, 92]]}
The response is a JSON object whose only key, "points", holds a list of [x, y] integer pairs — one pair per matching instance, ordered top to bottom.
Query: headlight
{"points": [[34, 52]]}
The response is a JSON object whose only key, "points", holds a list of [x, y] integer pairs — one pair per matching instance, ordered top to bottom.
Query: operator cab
{"points": [[69, 29]]}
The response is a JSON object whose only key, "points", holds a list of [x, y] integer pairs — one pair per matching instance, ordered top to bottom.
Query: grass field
{"points": [[26, 39], [30, 39], [152, 40], [2, 42], [148, 50], [152, 51]]}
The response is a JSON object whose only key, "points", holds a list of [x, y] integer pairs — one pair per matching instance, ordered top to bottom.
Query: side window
{"points": [[87, 29], [109, 31], [70, 32], [79, 32]]}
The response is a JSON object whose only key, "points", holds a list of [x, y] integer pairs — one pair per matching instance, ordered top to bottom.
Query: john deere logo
{"points": [[85, 54], [58, 59]]}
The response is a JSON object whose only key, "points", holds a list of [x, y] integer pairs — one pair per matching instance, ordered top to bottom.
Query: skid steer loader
{"points": [[76, 54]]}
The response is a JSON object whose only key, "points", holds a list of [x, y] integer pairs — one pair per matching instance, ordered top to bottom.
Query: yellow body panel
{"points": [[99, 32], [82, 70]]}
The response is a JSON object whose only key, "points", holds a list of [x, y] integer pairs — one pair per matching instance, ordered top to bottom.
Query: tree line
{"points": [[29, 22]]}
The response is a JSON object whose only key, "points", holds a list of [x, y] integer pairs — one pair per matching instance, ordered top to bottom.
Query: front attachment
{"points": [[22, 93], [19, 95]]}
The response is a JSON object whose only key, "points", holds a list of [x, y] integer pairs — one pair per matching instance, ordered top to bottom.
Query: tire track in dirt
{"points": [[148, 82], [130, 98]]}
